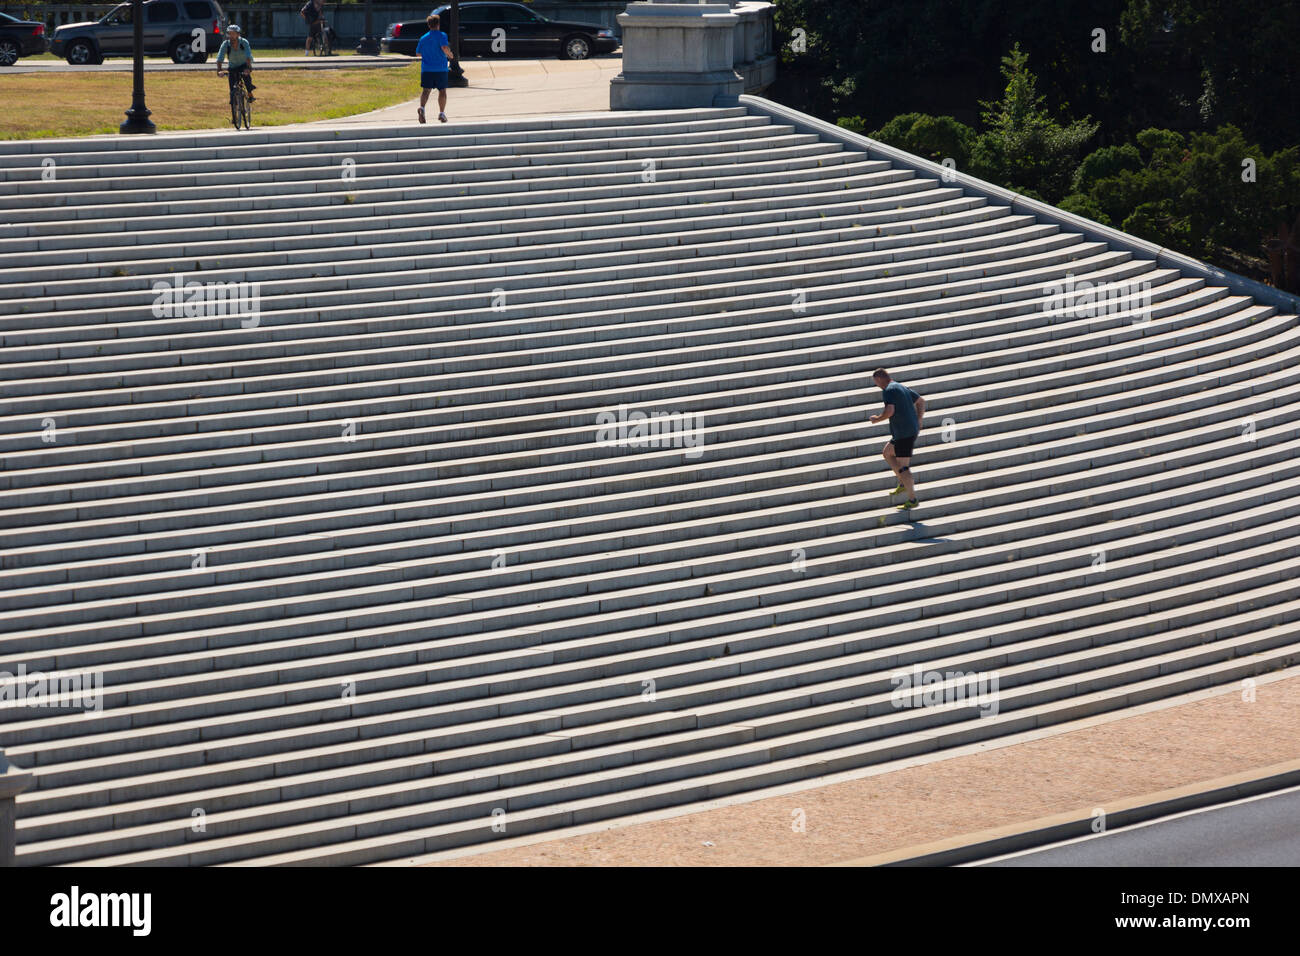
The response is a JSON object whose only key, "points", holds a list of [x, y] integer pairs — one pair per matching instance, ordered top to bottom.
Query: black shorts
{"points": [[434, 81], [903, 446]]}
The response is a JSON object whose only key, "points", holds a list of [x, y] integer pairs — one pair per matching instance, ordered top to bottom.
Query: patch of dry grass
{"points": [[258, 53], [83, 104]]}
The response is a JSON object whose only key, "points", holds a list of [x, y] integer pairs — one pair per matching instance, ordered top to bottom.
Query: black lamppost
{"points": [[368, 45], [457, 76], [137, 117]]}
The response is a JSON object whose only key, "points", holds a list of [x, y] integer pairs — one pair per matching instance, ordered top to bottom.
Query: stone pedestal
{"points": [[677, 56], [12, 782]]}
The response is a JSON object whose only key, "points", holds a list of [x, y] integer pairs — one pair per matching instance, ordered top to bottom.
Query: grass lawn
{"points": [[257, 52], [81, 104]]}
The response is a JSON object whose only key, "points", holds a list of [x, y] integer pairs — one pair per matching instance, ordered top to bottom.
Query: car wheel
{"points": [[575, 48], [8, 52], [182, 52], [81, 53], [200, 58]]}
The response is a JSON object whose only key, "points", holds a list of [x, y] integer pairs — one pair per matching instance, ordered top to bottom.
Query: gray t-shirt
{"points": [[903, 423]]}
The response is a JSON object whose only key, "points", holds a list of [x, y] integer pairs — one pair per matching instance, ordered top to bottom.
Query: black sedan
{"points": [[507, 29], [20, 38]]}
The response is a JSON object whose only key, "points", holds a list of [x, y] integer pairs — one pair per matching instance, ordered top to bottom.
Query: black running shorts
{"points": [[903, 446]]}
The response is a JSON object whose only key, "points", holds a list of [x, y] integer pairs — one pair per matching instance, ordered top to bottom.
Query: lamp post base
{"points": [[368, 46], [456, 76], [137, 121]]}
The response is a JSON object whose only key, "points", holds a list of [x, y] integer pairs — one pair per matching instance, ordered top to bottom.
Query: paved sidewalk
{"points": [[508, 88], [1213, 733]]}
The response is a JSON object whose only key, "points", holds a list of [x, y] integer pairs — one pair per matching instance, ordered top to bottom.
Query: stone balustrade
{"points": [[686, 55]]}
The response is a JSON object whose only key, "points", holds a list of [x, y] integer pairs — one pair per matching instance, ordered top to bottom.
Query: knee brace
{"points": [[904, 470]]}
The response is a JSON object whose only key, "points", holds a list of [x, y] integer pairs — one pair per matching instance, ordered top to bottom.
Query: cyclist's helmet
{"points": [[233, 28]]}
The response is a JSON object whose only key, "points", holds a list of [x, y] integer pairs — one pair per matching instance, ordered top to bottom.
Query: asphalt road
{"points": [[1264, 831]]}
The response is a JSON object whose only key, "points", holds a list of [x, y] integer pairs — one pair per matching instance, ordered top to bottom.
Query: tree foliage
{"points": [[1174, 64], [1191, 108], [1022, 146]]}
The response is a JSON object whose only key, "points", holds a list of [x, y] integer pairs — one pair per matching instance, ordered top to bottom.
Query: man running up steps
{"points": [[904, 409]]}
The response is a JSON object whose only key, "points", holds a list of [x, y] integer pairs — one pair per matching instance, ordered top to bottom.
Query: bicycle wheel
{"points": [[238, 104], [248, 113]]}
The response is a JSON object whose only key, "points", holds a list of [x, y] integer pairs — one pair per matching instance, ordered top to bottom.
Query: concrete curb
{"points": [[1168, 258], [1079, 823]]}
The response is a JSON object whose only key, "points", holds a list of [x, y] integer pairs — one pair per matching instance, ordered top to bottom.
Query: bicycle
{"points": [[319, 42], [241, 110]]}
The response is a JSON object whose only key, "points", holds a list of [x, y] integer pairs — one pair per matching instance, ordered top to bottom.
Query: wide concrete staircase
{"points": [[360, 582]]}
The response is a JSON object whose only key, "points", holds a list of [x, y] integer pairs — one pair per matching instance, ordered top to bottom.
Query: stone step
{"points": [[323, 170], [41, 492], [383, 544], [1126, 573], [130, 597], [334, 646], [1175, 672], [698, 705]]}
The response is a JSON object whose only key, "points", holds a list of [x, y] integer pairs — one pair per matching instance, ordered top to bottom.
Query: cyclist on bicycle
{"points": [[313, 11], [241, 60]]}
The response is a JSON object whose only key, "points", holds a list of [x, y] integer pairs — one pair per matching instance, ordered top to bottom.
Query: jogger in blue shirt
{"points": [[435, 54]]}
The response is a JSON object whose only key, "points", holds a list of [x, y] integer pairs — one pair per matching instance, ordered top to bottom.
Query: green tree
{"points": [[1243, 52], [935, 137], [1022, 146], [1201, 194]]}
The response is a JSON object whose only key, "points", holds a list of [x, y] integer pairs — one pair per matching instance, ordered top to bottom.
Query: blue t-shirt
{"points": [[432, 59], [903, 423]]}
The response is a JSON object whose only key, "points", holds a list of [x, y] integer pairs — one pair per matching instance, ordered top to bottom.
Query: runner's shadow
{"points": [[919, 530]]}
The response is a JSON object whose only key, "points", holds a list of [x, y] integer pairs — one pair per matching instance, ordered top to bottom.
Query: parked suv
{"points": [[509, 28], [185, 30]]}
